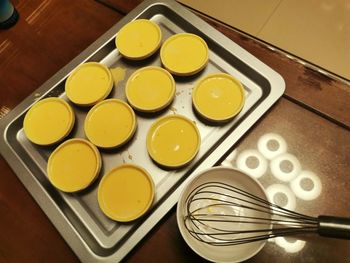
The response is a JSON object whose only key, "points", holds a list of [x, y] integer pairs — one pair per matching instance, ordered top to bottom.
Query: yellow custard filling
{"points": [[138, 39], [184, 54], [89, 83], [150, 89], [218, 97], [48, 121], [110, 123], [173, 141], [73, 165], [126, 193]]}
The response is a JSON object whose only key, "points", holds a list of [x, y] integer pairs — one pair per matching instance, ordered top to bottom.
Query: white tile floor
{"points": [[315, 30]]}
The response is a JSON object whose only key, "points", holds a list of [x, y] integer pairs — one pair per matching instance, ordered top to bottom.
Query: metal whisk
{"points": [[220, 214]]}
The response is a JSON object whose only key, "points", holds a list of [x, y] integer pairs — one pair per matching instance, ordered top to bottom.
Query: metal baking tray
{"points": [[92, 236]]}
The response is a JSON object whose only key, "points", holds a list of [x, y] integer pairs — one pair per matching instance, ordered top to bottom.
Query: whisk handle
{"points": [[332, 226]]}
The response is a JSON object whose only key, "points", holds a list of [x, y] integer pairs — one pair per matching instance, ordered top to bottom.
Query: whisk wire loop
{"points": [[220, 214]]}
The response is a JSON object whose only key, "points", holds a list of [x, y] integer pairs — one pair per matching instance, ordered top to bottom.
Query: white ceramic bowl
{"points": [[231, 253]]}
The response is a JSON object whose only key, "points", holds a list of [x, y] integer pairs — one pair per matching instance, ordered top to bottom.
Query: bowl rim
{"points": [[182, 198]]}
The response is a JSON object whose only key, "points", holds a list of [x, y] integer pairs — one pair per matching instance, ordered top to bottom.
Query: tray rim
{"points": [[35, 188]]}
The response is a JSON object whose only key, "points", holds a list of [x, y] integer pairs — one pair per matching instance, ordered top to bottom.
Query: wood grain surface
{"points": [[313, 116]]}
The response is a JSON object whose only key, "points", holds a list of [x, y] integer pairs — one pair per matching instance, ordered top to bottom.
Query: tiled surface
{"points": [[249, 16], [316, 30]]}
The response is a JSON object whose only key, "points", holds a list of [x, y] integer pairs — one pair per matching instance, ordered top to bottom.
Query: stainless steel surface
{"points": [[92, 236]]}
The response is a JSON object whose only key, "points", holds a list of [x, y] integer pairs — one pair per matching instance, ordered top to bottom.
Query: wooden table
{"points": [[313, 117]]}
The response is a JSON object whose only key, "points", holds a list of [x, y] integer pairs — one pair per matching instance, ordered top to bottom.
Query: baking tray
{"points": [[92, 236]]}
